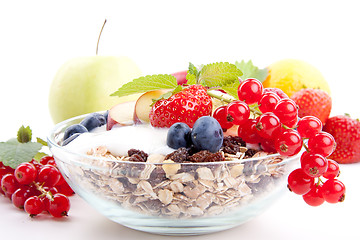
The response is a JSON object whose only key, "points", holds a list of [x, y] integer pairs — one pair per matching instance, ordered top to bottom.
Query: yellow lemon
{"points": [[291, 75]]}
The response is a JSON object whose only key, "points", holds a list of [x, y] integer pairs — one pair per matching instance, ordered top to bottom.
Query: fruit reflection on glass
{"points": [[264, 117]]}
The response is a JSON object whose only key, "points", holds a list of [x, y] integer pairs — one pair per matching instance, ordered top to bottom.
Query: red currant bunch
{"points": [[269, 118], [36, 187]]}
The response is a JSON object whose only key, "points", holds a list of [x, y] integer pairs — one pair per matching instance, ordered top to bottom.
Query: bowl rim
{"points": [[56, 129]]}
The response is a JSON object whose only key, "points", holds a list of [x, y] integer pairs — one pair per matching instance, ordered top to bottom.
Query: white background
{"points": [[37, 37]]}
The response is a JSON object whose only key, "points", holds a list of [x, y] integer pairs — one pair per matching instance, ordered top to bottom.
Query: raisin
{"points": [[232, 144], [141, 153], [180, 155], [199, 156], [136, 158]]}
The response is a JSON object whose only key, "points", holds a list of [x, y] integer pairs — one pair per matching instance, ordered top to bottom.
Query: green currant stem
{"points": [[221, 96], [254, 110], [45, 193]]}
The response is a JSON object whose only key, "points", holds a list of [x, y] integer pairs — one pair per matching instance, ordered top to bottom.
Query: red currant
{"points": [[250, 90], [268, 102], [238, 112], [287, 112], [220, 114], [268, 125], [309, 126], [248, 132], [289, 143], [322, 143], [267, 145], [44, 160], [313, 164], [333, 170], [25, 173], [49, 176], [299, 182], [9, 184], [65, 189], [333, 191], [19, 197], [314, 197], [34, 206], [59, 206]]}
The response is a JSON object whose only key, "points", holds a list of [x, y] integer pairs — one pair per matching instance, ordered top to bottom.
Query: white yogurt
{"points": [[120, 139]]}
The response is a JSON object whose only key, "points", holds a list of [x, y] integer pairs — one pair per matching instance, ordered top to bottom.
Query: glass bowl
{"points": [[173, 198]]}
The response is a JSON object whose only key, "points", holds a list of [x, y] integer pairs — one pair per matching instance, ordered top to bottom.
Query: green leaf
{"points": [[193, 70], [251, 71], [219, 74], [147, 83], [231, 89], [167, 95], [24, 134], [43, 142], [12, 152], [39, 155]]}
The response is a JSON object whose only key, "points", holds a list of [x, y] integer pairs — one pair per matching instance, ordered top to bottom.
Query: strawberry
{"points": [[313, 102], [185, 106], [346, 132]]}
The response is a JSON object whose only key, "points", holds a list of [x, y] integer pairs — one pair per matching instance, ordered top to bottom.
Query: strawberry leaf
{"points": [[147, 83], [24, 134]]}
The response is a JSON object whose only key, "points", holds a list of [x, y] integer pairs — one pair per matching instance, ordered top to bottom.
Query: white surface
{"points": [[162, 37]]}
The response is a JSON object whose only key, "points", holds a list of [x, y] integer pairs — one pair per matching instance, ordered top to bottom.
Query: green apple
{"points": [[83, 85]]}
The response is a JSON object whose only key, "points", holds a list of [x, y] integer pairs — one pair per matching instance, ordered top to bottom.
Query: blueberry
{"points": [[106, 114], [93, 120], [73, 129], [207, 134], [178, 135], [69, 139]]}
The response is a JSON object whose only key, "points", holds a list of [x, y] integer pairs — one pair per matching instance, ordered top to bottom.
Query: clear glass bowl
{"points": [[173, 198]]}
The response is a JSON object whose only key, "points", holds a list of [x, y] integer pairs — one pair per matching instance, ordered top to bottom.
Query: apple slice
{"points": [[143, 105], [121, 114]]}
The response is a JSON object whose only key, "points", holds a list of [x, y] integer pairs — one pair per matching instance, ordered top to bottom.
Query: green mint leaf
{"points": [[193, 70], [251, 71], [219, 74], [191, 79], [147, 83], [231, 89], [167, 95], [24, 134], [12, 152]]}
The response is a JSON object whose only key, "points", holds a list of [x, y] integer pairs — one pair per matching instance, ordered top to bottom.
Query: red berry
{"points": [[250, 90], [277, 91], [268, 102], [313, 102], [185, 106], [286, 111], [238, 112], [220, 114], [268, 125], [308, 126], [248, 132], [346, 132], [289, 143], [322, 143], [267, 145], [44, 160], [313, 164], [333, 170], [25, 173], [49, 176], [299, 182], [9, 184], [65, 189], [333, 191], [19, 197], [314, 197], [34, 206], [59, 206]]}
